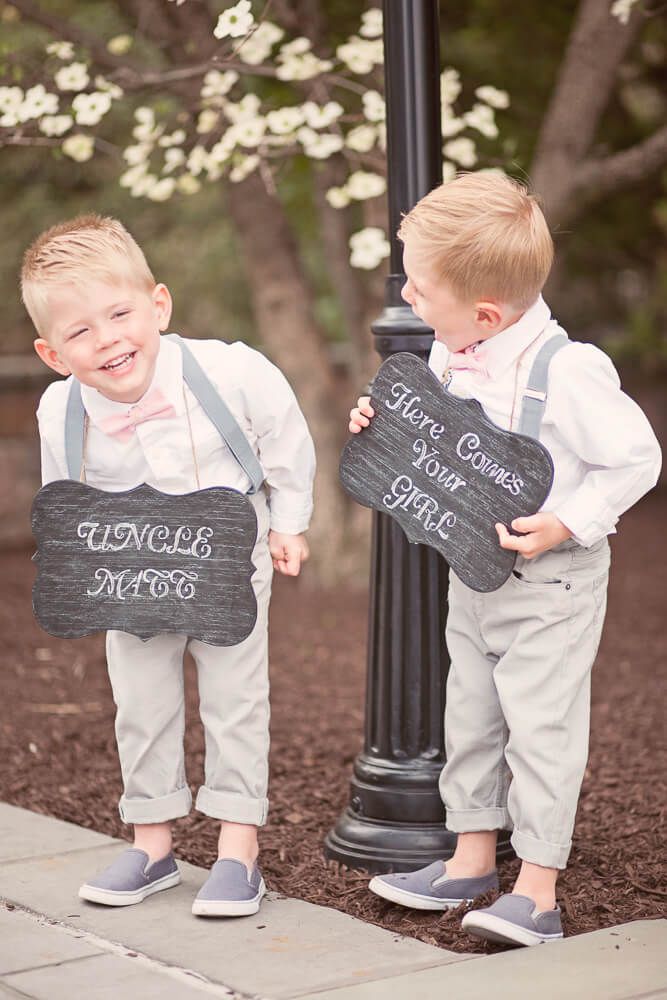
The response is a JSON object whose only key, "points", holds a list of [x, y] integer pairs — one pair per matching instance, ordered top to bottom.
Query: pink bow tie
{"points": [[471, 359], [154, 405]]}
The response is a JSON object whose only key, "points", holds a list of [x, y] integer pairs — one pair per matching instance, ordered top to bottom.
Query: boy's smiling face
{"points": [[456, 323], [106, 335]]}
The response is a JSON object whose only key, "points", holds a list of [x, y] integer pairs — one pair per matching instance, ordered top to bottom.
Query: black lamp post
{"points": [[395, 820]]}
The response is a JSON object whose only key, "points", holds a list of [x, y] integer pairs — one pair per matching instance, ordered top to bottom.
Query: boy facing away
{"points": [[477, 253], [99, 313]]}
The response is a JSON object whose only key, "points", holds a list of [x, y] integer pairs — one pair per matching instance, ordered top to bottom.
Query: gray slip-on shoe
{"points": [[130, 878], [431, 888], [229, 891], [514, 919]]}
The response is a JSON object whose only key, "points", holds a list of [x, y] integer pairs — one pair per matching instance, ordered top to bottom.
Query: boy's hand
{"points": [[360, 416], [542, 532], [287, 552]]}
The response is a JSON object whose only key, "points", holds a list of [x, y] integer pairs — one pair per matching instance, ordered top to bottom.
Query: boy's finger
{"points": [[367, 409], [525, 523], [506, 540]]}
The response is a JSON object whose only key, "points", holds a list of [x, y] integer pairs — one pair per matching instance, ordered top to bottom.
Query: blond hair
{"points": [[485, 235], [73, 252]]}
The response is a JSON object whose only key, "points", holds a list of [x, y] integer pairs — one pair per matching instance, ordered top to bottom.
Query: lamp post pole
{"points": [[395, 819]]}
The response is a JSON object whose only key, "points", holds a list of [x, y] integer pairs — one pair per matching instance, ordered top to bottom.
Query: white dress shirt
{"points": [[160, 451], [604, 451]]}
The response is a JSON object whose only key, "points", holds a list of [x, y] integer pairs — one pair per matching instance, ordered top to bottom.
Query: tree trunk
{"points": [[282, 303]]}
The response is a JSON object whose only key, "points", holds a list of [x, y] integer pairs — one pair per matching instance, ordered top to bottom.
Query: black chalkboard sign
{"points": [[445, 471], [144, 562]]}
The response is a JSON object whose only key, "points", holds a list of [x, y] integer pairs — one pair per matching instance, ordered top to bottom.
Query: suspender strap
{"points": [[535, 393], [210, 400], [219, 414], [74, 423]]}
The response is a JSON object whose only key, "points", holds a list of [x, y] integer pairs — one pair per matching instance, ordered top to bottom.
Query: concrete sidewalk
{"points": [[54, 946]]}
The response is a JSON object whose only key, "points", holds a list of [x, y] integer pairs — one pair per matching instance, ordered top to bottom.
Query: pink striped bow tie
{"points": [[471, 359], [154, 406]]}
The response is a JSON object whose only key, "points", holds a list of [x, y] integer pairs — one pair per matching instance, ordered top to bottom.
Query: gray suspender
{"points": [[535, 393], [210, 400]]}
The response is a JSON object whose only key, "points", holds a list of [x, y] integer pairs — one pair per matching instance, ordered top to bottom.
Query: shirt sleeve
{"points": [[50, 418], [609, 434], [284, 444]]}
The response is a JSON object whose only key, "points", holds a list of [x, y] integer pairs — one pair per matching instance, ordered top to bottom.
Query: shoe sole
{"points": [[111, 897], [412, 899], [229, 907], [491, 928]]}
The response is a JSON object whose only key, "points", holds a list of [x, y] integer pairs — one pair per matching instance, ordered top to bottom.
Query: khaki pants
{"points": [[147, 683], [518, 699]]}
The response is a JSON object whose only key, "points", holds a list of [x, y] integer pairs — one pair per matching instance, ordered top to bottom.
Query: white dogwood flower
{"points": [[622, 10], [235, 21], [371, 23], [120, 44], [257, 47], [63, 50], [361, 55], [303, 67], [72, 77], [217, 84], [450, 85], [112, 89], [491, 95], [37, 102], [374, 106], [246, 108], [90, 109], [321, 116], [482, 118], [207, 120], [285, 120], [449, 123], [52, 125], [250, 131], [177, 138], [362, 138], [323, 145], [79, 147], [462, 151], [137, 154], [243, 168], [187, 184], [361, 185], [162, 190], [337, 197], [369, 247]]}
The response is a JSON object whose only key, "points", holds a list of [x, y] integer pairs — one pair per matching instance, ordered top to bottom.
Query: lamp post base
{"points": [[378, 846]]}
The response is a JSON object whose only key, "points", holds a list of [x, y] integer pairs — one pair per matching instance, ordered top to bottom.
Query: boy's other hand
{"points": [[360, 416], [540, 532], [288, 552]]}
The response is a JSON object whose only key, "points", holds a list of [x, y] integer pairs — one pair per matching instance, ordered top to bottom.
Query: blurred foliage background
{"points": [[613, 285]]}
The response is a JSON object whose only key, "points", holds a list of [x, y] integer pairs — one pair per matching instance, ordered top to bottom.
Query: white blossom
{"points": [[622, 9], [235, 21], [371, 23], [120, 44], [257, 47], [296, 47], [63, 50], [360, 55], [303, 67], [72, 77], [217, 84], [450, 85], [112, 89], [491, 95], [11, 98], [37, 102], [374, 107], [246, 108], [89, 109], [145, 115], [321, 116], [481, 117], [285, 120], [207, 121], [449, 123], [55, 124], [250, 131], [382, 136], [177, 138], [362, 138], [323, 145], [79, 147], [222, 150], [462, 151], [137, 154], [173, 158], [197, 159], [243, 168], [448, 172], [133, 175], [187, 184], [362, 184], [143, 185], [162, 190], [337, 197], [369, 247]]}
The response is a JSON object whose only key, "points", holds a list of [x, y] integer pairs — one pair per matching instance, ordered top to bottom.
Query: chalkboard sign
{"points": [[445, 471], [144, 562]]}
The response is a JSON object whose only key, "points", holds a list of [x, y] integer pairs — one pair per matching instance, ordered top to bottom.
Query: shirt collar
{"points": [[501, 351], [168, 377]]}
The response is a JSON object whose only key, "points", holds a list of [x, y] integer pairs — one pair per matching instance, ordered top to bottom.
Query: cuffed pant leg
{"points": [[543, 683], [147, 685], [234, 708], [474, 781]]}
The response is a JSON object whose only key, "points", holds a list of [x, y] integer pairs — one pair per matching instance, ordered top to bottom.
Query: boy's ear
{"points": [[163, 305], [488, 314], [50, 356]]}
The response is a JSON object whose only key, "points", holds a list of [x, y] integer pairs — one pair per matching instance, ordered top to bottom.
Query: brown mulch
{"points": [[59, 758]]}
